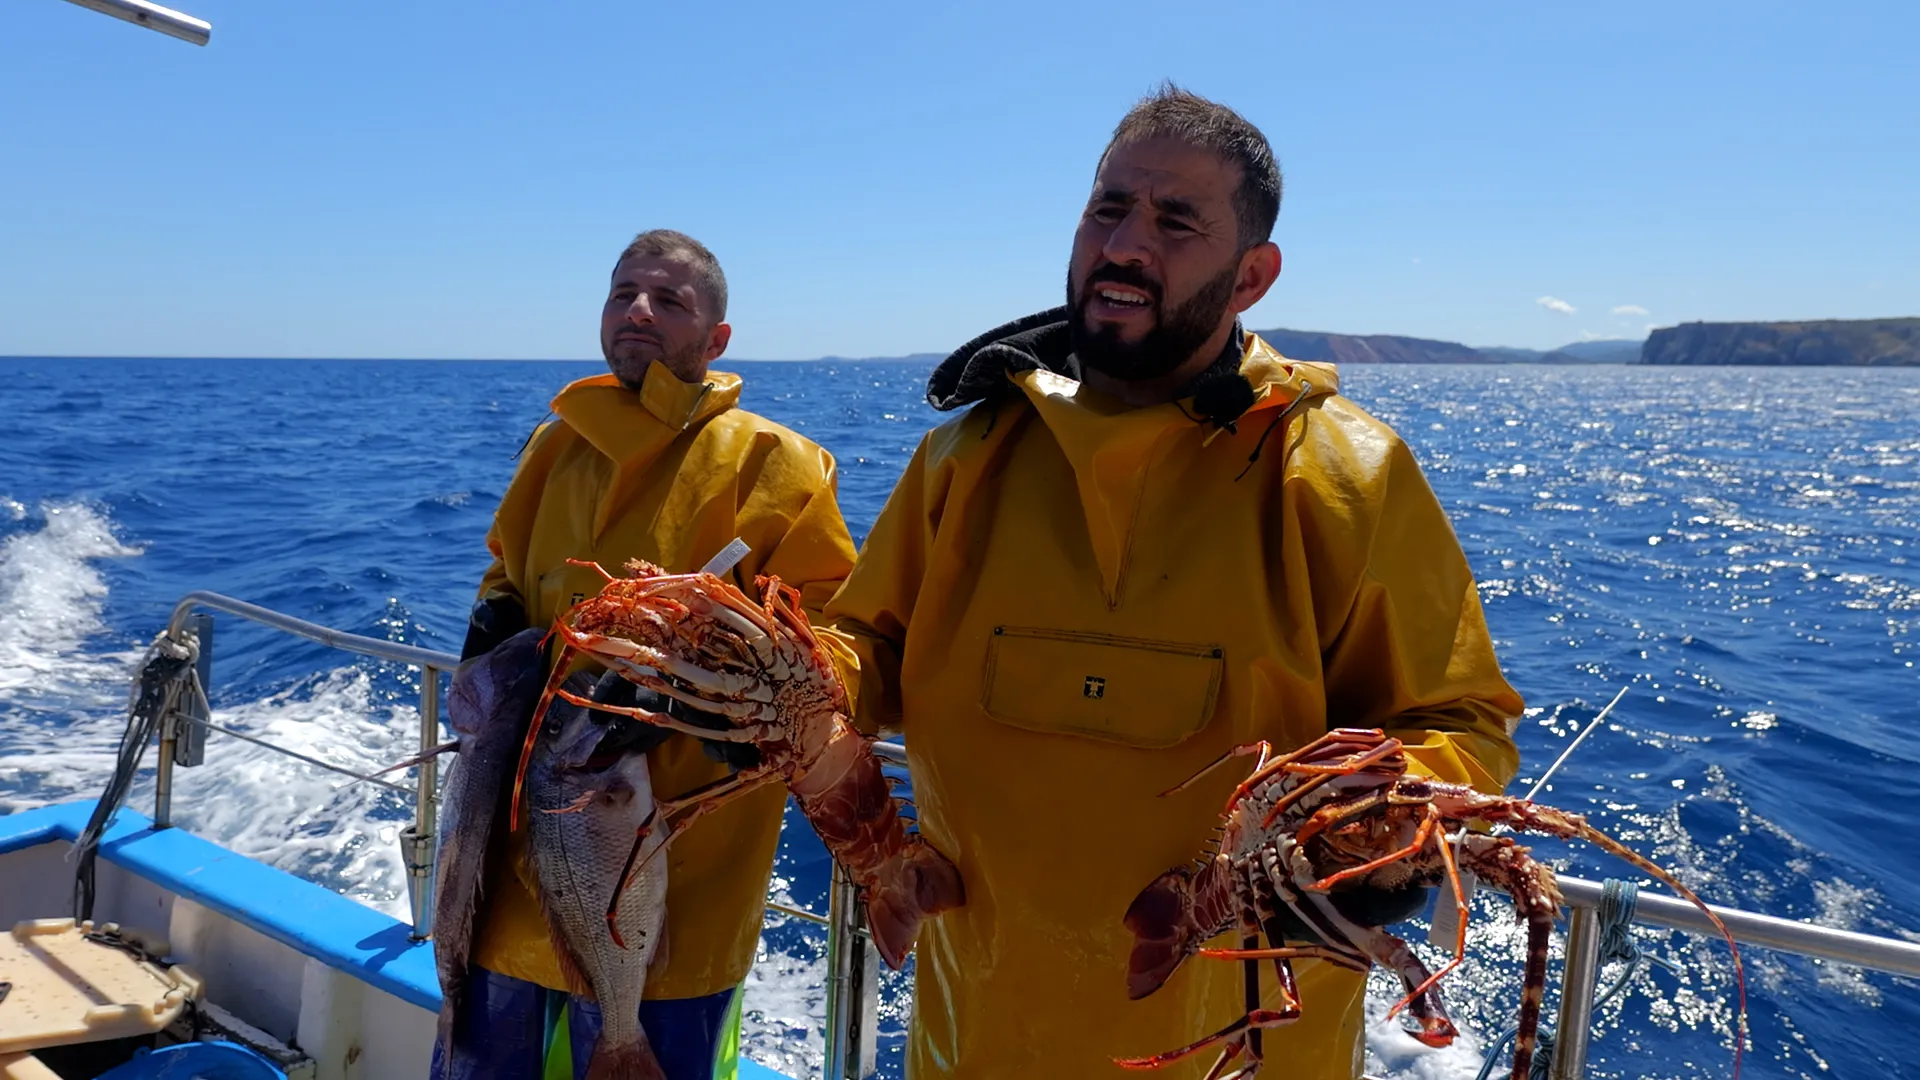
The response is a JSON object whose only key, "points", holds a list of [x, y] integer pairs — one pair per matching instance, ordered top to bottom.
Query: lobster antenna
{"points": [[1575, 744], [1503, 828]]}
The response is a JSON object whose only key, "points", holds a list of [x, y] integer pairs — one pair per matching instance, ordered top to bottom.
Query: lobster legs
{"points": [[1242, 1037]]}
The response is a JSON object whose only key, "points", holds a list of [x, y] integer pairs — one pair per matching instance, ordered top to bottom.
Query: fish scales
{"points": [[590, 797]]}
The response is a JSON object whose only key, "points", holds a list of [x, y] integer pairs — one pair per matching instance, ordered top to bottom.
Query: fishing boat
{"points": [[137, 945], [315, 984]]}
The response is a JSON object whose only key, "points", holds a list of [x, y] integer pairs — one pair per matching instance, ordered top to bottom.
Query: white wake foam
{"points": [[51, 598], [63, 698]]}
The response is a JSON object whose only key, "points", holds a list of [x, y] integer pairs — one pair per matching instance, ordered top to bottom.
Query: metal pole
{"points": [[154, 17], [325, 635], [163, 773], [417, 842], [842, 908], [1766, 931], [1577, 981]]}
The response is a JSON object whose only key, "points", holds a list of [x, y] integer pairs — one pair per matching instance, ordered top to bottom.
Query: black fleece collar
{"points": [[978, 370]]}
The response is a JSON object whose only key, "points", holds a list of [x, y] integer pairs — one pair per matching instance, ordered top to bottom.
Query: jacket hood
{"points": [[632, 429]]}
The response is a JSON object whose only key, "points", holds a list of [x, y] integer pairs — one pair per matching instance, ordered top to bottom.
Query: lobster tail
{"points": [[847, 799], [916, 883], [1171, 918]]}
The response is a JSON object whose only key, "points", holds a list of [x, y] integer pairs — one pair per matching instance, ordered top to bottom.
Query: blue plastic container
{"points": [[198, 1061]]}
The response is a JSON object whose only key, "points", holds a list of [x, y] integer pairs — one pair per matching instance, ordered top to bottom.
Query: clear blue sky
{"points": [[454, 179]]}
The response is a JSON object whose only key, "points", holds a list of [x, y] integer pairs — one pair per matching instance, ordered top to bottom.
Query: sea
{"points": [[1739, 548]]}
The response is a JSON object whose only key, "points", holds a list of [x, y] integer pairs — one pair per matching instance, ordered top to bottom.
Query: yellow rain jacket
{"points": [[670, 474], [1069, 606]]}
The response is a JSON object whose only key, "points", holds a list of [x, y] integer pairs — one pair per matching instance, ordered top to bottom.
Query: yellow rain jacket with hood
{"points": [[670, 474], [1069, 606]]}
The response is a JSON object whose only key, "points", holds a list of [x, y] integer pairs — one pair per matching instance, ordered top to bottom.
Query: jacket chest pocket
{"points": [[563, 587], [1131, 691]]}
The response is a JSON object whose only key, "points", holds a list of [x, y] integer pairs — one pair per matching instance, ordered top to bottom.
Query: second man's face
{"points": [[655, 310]]}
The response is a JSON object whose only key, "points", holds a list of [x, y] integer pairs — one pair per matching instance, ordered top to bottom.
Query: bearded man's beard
{"points": [[1175, 336], [631, 370]]}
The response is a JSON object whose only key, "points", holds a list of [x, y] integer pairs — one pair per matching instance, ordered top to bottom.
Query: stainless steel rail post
{"points": [[163, 774], [417, 840], [838, 984], [853, 984], [1575, 1025]]}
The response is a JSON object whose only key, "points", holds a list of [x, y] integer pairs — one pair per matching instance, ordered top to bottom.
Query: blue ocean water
{"points": [[1737, 545]]}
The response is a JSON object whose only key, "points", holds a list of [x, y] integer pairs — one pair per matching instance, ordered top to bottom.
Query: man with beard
{"points": [[652, 461], [1150, 538]]}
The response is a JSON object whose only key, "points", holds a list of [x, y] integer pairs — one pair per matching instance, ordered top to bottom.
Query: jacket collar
{"points": [[991, 366], [622, 424], [1112, 447]]}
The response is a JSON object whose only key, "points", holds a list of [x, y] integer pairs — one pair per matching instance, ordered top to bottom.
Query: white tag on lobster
{"points": [[728, 558], [1445, 931]]}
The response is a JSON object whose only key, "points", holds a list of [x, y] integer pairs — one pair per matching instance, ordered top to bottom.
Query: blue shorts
{"points": [[502, 1031]]}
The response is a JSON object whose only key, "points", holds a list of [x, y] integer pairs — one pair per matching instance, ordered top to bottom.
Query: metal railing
{"points": [[416, 840], [1748, 928], [1583, 949], [851, 960]]}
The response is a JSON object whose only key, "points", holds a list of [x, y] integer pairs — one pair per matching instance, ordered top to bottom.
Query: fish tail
{"points": [[627, 1061]]}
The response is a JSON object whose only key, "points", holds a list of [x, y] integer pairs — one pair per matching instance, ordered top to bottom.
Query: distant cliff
{"points": [[1889, 342], [1369, 348], [1391, 349]]}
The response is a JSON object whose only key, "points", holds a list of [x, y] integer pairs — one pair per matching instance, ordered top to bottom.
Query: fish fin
{"points": [[576, 805], [571, 969]]}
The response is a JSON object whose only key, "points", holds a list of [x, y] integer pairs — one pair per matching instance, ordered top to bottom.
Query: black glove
{"points": [[492, 621], [615, 690], [639, 736], [734, 755], [1364, 906]]}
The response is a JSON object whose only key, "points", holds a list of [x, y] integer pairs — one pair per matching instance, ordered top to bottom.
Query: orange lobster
{"points": [[701, 641], [1343, 810]]}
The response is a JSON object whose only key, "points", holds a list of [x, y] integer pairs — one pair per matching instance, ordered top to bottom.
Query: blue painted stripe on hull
{"points": [[31, 828], [341, 933]]}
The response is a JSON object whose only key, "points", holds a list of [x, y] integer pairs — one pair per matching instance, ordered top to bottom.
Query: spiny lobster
{"points": [[1344, 811]]}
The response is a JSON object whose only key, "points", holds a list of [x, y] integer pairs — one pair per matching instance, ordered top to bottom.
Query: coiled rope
{"points": [[1618, 899]]}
